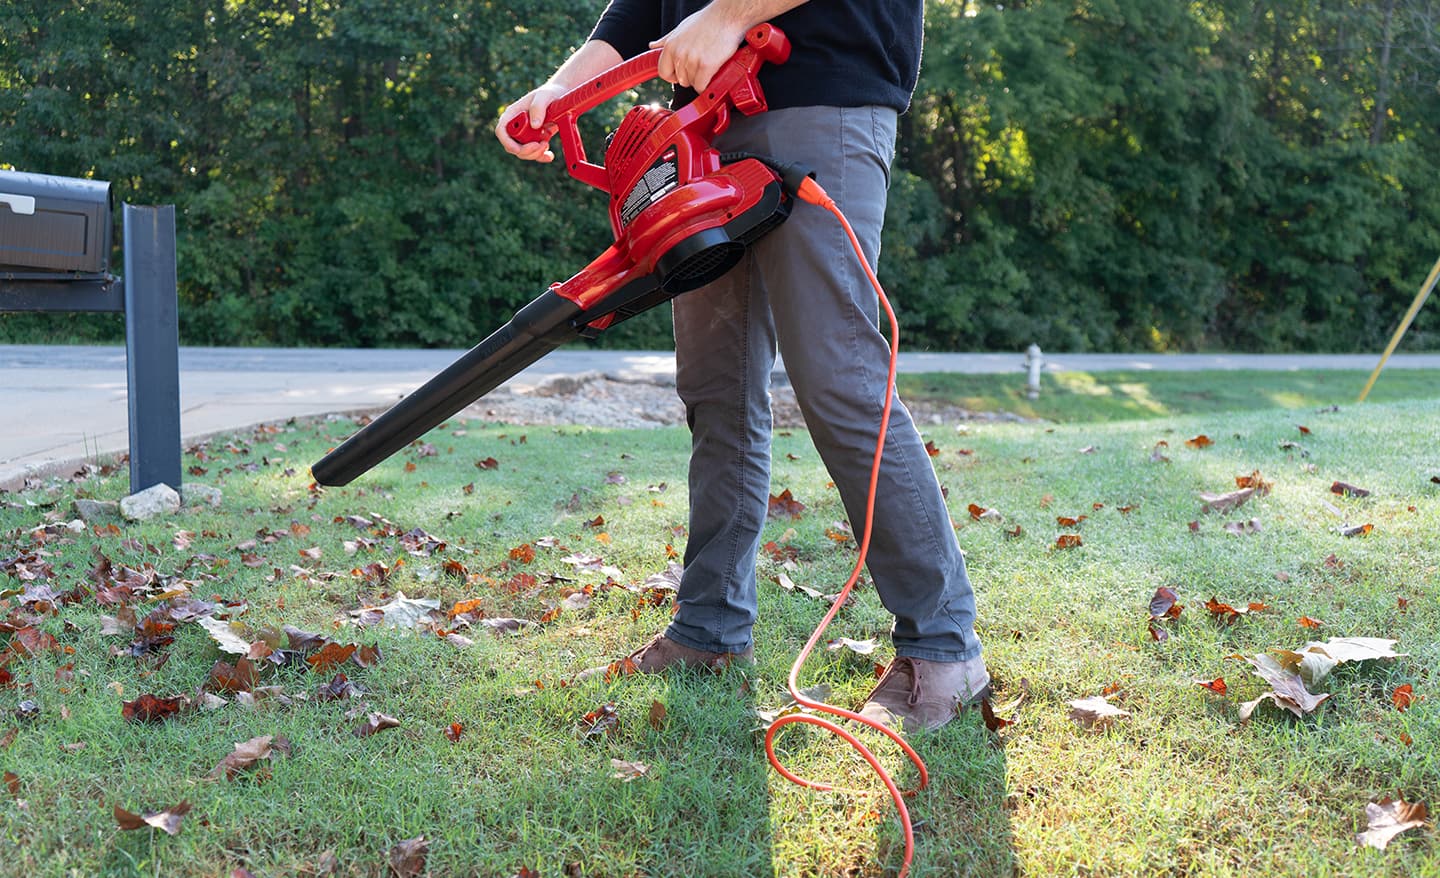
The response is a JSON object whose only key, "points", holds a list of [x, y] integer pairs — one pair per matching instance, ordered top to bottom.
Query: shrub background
{"points": [[1105, 174]]}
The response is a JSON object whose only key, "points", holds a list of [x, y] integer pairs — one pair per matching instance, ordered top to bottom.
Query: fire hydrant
{"points": [[1033, 361]]}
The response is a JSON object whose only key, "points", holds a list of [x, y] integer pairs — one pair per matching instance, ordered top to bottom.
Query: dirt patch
{"points": [[601, 400]]}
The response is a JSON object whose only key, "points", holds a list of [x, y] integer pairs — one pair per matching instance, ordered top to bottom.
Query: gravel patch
{"points": [[606, 400]]}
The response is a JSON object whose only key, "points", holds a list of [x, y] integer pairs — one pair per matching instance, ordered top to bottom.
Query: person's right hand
{"points": [[534, 104]]}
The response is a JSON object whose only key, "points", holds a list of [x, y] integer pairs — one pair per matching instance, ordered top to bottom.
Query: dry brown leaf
{"points": [[1345, 490], [1225, 502], [784, 505], [1242, 528], [1163, 605], [861, 647], [1289, 688], [153, 709], [1095, 712], [657, 716], [375, 722], [246, 754], [628, 771], [1388, 818], [167, 820], [407, 859]]}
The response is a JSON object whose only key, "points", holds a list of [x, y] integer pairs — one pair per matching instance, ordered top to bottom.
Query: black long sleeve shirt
{"points": [[844, 53]]}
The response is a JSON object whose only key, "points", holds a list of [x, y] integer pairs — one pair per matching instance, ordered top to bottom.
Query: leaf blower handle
{"points": [[735, 81]]}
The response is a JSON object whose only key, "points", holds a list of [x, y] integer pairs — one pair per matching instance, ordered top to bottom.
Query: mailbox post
{"points": [[55, 237]]}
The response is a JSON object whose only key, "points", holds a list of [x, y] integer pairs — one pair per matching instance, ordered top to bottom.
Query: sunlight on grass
{"points": [[1179, 787]]}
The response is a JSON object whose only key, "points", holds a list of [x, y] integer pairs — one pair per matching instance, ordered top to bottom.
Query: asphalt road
{"points": [[64, 404]]}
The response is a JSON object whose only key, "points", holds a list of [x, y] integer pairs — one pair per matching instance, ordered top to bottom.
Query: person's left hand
{"points": [[696, 48]]}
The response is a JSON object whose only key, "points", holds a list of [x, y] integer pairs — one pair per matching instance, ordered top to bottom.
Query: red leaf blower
{"points": [[682, 214]]}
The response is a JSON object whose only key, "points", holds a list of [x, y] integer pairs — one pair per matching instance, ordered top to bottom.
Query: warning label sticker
{"points": [[660, 180]]}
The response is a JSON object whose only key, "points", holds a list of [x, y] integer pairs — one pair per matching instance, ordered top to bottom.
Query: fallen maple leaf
{"points": [[1201, 441], [931, 448], [487, 463], [1254, 480], [1345, 490], [1225, 502], [784, 505], [1068, 521], [1358, 530], [1068, 541], [1163, 605], [402, 612], [1307, 622], [227, 635], [861, 647], [1339, 650], [330, 656], [225, 677], [1216, 685], [340, 687], [1289, 689], [1402, 696], [152, 709], [1095, 712], [657, 716], [375, 722], [599, 722], [992, 722], [454, 731], [247, 753], [628, 771], [12, 783], [1388, 818], [167, 820], [407, 859]]}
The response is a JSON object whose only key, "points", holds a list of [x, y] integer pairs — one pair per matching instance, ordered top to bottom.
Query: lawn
{"points": [[1075, 396], [507, 766]]}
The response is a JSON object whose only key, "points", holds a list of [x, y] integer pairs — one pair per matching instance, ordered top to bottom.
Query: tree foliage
{"points": [[1086, 174]]}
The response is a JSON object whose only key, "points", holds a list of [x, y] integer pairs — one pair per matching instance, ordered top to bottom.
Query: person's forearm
{"points": [[748, 13], [588, 61]]}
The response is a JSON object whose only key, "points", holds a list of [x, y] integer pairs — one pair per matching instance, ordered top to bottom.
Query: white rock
{"points": [[158, 499]]}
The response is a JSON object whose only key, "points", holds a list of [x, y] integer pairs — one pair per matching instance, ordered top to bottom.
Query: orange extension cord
{"points": [[811, 192]]}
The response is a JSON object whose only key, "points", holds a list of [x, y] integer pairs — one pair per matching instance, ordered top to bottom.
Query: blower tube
{"points": [[536, 329]]}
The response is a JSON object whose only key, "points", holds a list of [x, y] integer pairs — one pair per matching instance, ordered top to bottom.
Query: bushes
{"points": [[1117, 174]]}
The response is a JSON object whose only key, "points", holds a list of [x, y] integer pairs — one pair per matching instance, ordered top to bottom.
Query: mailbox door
{"points": [[58, 224]]}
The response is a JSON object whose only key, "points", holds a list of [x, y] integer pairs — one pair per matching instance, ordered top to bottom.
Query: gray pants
{"points": [[802, 289]]}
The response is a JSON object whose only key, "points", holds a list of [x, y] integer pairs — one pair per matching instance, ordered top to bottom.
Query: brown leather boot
{"points": [[662, 653], [921, 695]]}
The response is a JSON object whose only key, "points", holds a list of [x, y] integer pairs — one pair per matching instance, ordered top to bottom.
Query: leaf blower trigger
{"points": [[682, 214]]}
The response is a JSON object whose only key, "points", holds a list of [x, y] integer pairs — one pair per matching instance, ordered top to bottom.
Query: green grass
{"points": [[1072, 397], [1180, 788]]}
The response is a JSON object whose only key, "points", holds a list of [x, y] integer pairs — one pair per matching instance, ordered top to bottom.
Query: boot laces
{"points": [[903, 663]]}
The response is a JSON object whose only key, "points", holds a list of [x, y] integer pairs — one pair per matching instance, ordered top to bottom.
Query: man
{"points": [[833, 108]]}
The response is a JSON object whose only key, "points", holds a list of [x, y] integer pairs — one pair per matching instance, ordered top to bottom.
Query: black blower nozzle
{"points": [[536, 329]]}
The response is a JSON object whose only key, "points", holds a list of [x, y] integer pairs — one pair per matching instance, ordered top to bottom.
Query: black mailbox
{"points": [[53, 225]]}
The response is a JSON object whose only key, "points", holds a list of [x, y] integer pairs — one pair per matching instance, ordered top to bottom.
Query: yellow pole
{"points": [[1404, 325]]}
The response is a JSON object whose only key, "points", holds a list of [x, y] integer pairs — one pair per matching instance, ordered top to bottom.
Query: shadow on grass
{"points": [[966, 801]]}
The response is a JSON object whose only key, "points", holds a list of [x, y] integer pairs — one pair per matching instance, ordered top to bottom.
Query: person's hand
{"points": [[696, 48], [534, 105]]}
